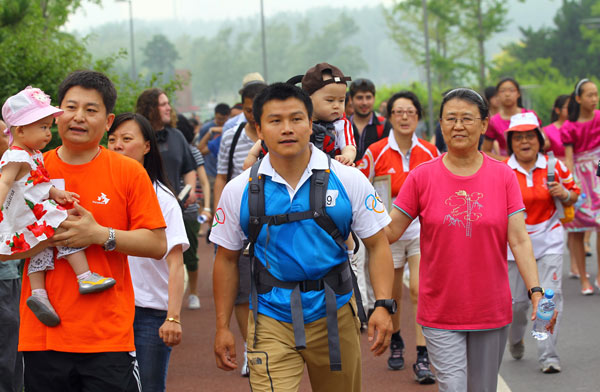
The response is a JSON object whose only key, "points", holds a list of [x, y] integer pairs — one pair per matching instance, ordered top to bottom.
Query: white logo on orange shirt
{"points": [[391, 171], [102, 199]]}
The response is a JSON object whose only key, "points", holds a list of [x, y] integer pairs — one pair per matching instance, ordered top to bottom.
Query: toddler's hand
{"points": [[344, 160], [64, 197]]}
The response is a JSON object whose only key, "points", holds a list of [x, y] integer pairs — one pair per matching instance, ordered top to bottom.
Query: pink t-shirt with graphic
{"points": [[498, 125], [584, 136], [556, 144], [464, 227]]}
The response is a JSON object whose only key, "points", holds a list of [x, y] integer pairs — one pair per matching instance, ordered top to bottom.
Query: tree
{"points": [[479, 20], [405, 24], [458, 29], [571, 46], [34, 49], [160, 56]]}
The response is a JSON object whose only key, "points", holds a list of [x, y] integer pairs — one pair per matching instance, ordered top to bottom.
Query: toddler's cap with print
{"points": [[27, 107]]}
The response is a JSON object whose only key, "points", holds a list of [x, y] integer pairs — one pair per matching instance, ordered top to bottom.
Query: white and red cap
{"points": [[27, 107], [523, 122]]}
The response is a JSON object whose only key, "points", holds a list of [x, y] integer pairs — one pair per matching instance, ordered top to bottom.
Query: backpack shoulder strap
{"points": [[380, 127], [234, 141], [551, 164], [318, 196], [256, 202]]}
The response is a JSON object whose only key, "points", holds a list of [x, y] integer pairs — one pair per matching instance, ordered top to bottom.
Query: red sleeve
{"points": [[348, 132], [367, 164], [565, 177]]}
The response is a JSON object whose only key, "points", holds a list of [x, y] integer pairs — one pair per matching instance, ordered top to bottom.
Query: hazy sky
{"points": [[111, 10]]}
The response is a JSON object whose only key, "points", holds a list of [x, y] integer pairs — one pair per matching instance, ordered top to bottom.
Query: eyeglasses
{"points": [[401, 113], [464, 120], [520, 137]]}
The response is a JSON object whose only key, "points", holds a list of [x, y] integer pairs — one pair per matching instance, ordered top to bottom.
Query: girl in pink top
{"points": [[509, 94], [558, 117], [581, 136], [469, 206]]}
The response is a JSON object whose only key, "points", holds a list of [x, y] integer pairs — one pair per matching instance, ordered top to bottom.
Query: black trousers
{"points": [[11, 361], [55, 371]]}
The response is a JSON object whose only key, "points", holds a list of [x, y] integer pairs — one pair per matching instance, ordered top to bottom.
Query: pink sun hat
{"points": [[27, 107]]}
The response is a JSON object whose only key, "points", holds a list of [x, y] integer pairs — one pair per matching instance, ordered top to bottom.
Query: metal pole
{"points": [[264, 41], [428, 68], [133, 70]]}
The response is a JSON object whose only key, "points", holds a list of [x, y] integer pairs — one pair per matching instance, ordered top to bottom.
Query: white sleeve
{"points": [[368, 212], [175, 230], [226, 230]]}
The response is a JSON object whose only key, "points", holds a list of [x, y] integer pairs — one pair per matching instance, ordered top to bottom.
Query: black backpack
{"points": [[339, 280]]}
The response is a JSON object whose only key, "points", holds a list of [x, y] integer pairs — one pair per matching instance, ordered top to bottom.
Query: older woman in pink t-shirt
{"points": [[469, 206]]}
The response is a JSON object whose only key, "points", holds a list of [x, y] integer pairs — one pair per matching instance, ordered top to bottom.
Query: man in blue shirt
{"points": [[299, 253]]}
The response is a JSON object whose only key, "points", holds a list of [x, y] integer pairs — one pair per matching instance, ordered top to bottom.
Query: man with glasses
{"points": [[368, 127]]}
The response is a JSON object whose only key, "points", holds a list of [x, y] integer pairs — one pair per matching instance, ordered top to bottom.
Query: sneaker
{"points": [[95, 283], [193, 302], [43, 310], [517, 349], [396, 359], [551, 367], [245, 369], [423, 374]]}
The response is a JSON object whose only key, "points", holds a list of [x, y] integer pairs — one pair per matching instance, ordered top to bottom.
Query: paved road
{"points": [[578, 345], [193, 367]]}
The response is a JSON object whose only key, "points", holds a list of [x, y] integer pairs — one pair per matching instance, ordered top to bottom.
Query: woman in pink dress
{"points": [[509, 96], [558, 117], [581, 136]]}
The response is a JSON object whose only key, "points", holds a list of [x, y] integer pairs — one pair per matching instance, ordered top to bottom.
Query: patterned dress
{"points": [[585, 139], [28, 216]]}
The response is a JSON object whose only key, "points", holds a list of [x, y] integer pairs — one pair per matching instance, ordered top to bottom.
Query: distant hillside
{"points": [[385, 64]]}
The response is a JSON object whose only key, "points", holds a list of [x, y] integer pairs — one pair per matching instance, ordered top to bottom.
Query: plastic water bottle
{"points": [[579, 201], [201, 219], [544, 314]]}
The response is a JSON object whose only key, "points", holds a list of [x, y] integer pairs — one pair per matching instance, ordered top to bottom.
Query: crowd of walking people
{"points": [[315, 204]]}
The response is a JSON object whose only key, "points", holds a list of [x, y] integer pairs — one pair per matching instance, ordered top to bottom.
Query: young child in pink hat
{"points": [[31, 207]]}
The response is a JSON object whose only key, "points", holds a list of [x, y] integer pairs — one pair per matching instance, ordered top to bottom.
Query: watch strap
{"points": [[111, 242], [536, 289]]}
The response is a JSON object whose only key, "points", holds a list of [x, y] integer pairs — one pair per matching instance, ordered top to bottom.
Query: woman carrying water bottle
{"points": [[547, 186]]}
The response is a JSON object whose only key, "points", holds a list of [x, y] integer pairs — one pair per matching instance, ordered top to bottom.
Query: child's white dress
{"points": [[28, 216]]}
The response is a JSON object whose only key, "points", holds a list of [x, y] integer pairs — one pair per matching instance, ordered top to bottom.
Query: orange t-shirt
{"points": [[118, 192]]}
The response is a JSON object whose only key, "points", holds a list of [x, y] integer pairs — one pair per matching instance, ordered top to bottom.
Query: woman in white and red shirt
{"points": [[541, 197]]}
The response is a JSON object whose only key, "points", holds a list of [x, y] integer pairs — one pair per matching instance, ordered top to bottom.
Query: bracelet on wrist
{"points": [[566, 199], [207, 209], [174, 320]]}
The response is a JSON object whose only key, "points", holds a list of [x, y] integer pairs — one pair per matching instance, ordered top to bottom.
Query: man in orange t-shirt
{"points": [[92, 349]]}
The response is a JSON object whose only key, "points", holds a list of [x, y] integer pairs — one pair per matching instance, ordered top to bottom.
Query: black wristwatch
{"points": [[536, 289], [389, 304]]}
